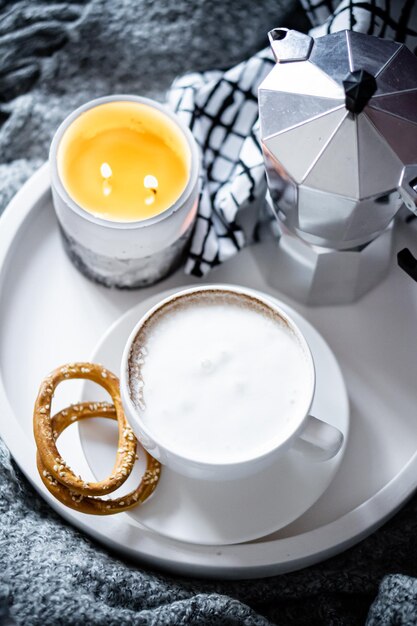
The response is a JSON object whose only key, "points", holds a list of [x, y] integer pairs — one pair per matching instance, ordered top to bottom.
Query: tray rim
{"points": [[203, 561]]}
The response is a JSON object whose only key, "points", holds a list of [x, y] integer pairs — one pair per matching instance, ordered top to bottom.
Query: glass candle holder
{"points": [[124, 177]]}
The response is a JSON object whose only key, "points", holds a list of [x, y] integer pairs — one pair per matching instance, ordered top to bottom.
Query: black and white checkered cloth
{"points": [[221, 110]]}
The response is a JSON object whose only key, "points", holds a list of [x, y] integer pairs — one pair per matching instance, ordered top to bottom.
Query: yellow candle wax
{"points": [[124, 161]]}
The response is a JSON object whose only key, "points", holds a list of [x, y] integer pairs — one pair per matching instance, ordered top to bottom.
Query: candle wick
{"points": [[106, 171], [151, 183]]}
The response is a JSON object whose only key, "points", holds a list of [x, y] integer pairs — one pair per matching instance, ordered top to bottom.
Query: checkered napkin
{"points": [[221, 110]]}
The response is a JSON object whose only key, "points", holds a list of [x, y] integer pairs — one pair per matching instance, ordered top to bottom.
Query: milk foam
{"points": [[217, 380]]}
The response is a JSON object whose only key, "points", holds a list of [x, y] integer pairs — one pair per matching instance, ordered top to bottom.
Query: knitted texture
{"points": [[57, 56], [53, 57], [51, 574], [396, 603]]}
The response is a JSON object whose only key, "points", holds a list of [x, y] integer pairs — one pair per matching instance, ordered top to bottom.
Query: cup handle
{"points": [[319, 441]]}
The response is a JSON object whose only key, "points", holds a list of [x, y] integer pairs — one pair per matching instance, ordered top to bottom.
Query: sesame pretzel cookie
{"points": [[57, 476]]}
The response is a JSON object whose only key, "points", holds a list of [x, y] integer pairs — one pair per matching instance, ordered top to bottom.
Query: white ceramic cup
{"points": [[307, 434]]}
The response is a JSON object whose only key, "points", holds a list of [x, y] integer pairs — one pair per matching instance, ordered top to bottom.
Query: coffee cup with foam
{"points": [[217, 382]]}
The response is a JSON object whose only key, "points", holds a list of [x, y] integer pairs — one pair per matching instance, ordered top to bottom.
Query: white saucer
{"points": [[221, 513]]}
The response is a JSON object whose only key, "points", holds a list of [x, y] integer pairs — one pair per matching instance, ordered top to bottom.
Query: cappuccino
{"points": [[219, 376]]}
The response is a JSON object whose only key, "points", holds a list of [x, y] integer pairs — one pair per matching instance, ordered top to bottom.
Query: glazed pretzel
{"points": [[57, 476], [81, 501]]}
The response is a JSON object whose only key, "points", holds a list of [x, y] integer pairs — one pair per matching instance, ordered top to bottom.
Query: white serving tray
{"points": [[50, 314]]}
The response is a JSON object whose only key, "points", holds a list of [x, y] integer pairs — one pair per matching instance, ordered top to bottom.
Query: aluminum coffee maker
{"points": [[338, 118]]}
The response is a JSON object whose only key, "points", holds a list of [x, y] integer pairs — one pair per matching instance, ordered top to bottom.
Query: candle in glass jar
{"points": [[124, 161], [124, 178]]}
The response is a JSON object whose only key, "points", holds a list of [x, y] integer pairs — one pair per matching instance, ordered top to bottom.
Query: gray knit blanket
{"points": [[53, 57]]}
